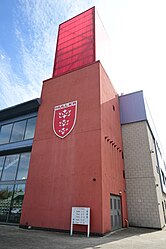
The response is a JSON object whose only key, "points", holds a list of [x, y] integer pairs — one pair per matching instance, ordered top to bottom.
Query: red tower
{"points": [[81, 41], [82, 166]]}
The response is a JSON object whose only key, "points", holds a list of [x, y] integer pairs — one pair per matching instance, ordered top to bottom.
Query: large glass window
{"points": [[30, 129], [18, 131], [5, 132], [23, 166], [10, 167], [6, 192], [12, 195], [16, 203]]}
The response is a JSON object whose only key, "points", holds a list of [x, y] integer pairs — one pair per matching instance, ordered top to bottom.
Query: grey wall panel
{"points": [[132, 108], [8, 148]]}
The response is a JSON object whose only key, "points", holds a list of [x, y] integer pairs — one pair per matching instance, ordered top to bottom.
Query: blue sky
{"points": [[136, 28], [28, 32]]}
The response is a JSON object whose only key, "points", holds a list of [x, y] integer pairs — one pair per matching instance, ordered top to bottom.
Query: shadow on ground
{"points": [[17, 238]]}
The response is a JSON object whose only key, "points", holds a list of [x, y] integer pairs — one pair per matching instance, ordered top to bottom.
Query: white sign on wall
{"points": [[80, 216]]}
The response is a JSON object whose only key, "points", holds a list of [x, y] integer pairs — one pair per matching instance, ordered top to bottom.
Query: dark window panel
{"points": [[30, 129], [18, 131], [5, 132], [23, 166], [10, 167]]}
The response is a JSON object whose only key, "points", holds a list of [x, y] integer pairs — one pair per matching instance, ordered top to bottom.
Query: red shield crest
{"points": [[64, 118]]}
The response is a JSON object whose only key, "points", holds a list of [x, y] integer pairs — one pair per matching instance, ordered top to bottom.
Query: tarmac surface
{"points": [[131, 238]]}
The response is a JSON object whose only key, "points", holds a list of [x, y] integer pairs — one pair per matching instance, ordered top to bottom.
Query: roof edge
{"points": [[20, 109]]}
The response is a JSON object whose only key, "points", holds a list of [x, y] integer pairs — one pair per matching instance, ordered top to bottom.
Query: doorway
{"points": [[11, 199], [115, 212]]}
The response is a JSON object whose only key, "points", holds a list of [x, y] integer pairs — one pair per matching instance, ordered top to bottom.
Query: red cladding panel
{"points": [[76, 43]]}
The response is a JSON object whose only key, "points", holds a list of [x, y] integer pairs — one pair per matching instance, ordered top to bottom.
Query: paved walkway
{"points": [[12, 237]]}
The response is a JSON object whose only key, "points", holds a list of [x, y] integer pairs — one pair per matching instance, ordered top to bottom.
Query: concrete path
{"points": [[12, 237]]}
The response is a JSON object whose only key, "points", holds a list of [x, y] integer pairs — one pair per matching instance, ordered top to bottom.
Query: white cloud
{"points": [[42, 20], [2, 56], [12, 90]]}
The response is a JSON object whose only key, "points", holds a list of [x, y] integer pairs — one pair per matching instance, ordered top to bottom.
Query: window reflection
{"points": [[30, 129], [5, 131], [18, 131], [23, 166], [10, 167], [6, 192], [12, 195], [16, 203]]}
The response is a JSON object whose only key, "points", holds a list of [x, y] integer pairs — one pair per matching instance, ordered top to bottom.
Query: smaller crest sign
{"points": [[64, 118]]}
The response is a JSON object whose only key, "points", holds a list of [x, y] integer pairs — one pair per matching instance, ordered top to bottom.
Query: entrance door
{"points": [[13, 175], [11, 199], [115, 211]]}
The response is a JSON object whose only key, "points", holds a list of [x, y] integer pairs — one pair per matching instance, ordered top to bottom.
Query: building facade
{"points": [[17, 126], [88, 147], [145, 169]]}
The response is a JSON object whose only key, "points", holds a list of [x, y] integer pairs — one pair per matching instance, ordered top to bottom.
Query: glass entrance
{"points": [[13, 175], [6, 192], [11, 199], [16, 203], [115, 211]]}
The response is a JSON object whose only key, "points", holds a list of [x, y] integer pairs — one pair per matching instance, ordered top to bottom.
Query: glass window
{"points": [[30, 129], [5, 131], [18, 131], [2, 159], [23, 166], [10, 167], [6, 192], [12, 195], [111, 203], [114, 203], [16, 204], [118, 204], [116, 220], [112, 221]]}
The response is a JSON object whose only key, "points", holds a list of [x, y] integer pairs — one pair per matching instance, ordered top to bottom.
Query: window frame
{"points": [[15, 120]]}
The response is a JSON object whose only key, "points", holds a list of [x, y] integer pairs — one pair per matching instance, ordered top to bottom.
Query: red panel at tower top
{"points": [[76, 43]]}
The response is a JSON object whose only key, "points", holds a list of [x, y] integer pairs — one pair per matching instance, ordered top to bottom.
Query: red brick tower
{"points": [[81, 165]]}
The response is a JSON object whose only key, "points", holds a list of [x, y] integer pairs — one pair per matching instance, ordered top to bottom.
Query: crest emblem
{"points": [[64, 118]]}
